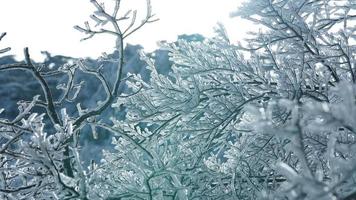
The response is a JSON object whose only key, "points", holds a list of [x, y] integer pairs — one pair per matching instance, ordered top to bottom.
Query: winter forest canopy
{"points": [[270, 117]]}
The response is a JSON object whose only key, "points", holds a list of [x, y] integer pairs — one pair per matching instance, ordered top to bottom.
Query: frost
{"points": [[271, 117], [68, 181]]}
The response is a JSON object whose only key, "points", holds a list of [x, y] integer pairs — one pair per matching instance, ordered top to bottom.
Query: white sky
{"points": [[48, 24]]}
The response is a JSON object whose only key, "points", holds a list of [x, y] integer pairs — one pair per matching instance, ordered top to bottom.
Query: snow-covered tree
{"points": [[270, 118], [39, 148]]}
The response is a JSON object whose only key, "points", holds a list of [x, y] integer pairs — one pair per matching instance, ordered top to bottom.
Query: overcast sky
{"points": [[48, 24]]}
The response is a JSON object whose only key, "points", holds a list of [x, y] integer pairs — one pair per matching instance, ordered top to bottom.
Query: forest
{"points": [[203, 118]]}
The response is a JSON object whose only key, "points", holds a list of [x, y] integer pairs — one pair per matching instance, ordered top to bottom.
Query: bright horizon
{"points": [[47, 25]]}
